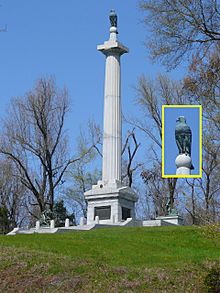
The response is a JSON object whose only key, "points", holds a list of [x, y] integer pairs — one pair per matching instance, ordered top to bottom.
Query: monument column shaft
{"points": [[111, 166], [110, 201]]}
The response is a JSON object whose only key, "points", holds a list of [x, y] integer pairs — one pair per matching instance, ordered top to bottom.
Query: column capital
{"points": [[112, 46]]}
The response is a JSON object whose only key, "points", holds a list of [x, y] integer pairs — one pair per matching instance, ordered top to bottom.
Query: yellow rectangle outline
{"points": [[200, 142]]}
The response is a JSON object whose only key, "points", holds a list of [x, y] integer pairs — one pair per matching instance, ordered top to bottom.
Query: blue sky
{"points": [[59, 38], [170, 147]]}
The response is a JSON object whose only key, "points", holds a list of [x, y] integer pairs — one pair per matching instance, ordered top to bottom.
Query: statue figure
{"points": [[113, 18], [183, 136], [168, 206], [169, 210], [46, 217]]}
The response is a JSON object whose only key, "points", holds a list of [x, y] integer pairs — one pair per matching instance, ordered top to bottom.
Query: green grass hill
{"points": [[158, 259]]}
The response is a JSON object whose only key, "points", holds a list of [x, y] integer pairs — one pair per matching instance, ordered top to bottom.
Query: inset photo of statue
{"points": [[181, 141]]}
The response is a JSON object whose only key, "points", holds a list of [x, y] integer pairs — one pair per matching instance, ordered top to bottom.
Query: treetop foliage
{"points": [[181, 27]]}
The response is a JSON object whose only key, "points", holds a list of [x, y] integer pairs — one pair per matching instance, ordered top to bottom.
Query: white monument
{"points": [[109, 200]]}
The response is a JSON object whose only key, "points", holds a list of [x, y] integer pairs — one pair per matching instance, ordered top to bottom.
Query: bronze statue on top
{"points": [[113, 18], [183, 136]]}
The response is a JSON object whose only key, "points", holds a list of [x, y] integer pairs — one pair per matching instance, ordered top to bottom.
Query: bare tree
{"points": [[181, 27], [192, 29], [203, 85], [151, 96], [35, 141], [129, 151], [82, 175], [81, 181], [209, 185], [156, 189], [12, 197]]}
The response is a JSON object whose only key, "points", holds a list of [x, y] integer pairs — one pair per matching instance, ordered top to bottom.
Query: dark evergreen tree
{"points": [[61, 214], [4, 220]]}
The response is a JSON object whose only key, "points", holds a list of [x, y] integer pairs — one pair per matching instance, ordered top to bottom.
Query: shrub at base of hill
{"points": [[4, 221], [211, 231], [212, 280]]}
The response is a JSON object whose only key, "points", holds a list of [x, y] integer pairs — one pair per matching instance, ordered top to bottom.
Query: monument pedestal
{"points": [[111, 203], [172, 219]]}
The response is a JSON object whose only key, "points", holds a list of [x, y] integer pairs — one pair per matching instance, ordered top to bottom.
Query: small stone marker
{"points": [[97, 219], [67, 223], [81, 223], [52, 224], [37, 225]]}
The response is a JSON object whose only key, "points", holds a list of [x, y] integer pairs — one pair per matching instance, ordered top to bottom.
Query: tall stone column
{"points": [[111, 164], [109, 200]]}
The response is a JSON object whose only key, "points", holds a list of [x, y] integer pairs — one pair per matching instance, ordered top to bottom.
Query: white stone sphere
{"points": [[113, 29], [183, 160]]}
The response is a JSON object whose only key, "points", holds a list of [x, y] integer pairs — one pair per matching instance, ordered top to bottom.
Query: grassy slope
{"points": [[175, 259]]}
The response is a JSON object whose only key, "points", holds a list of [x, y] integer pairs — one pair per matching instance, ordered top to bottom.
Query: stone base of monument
{"points": [[116, 201], [112, 203], [129, 222], [48, 230]]}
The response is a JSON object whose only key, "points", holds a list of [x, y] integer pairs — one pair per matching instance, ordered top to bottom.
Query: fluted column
{"points": [[112, 134]]}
